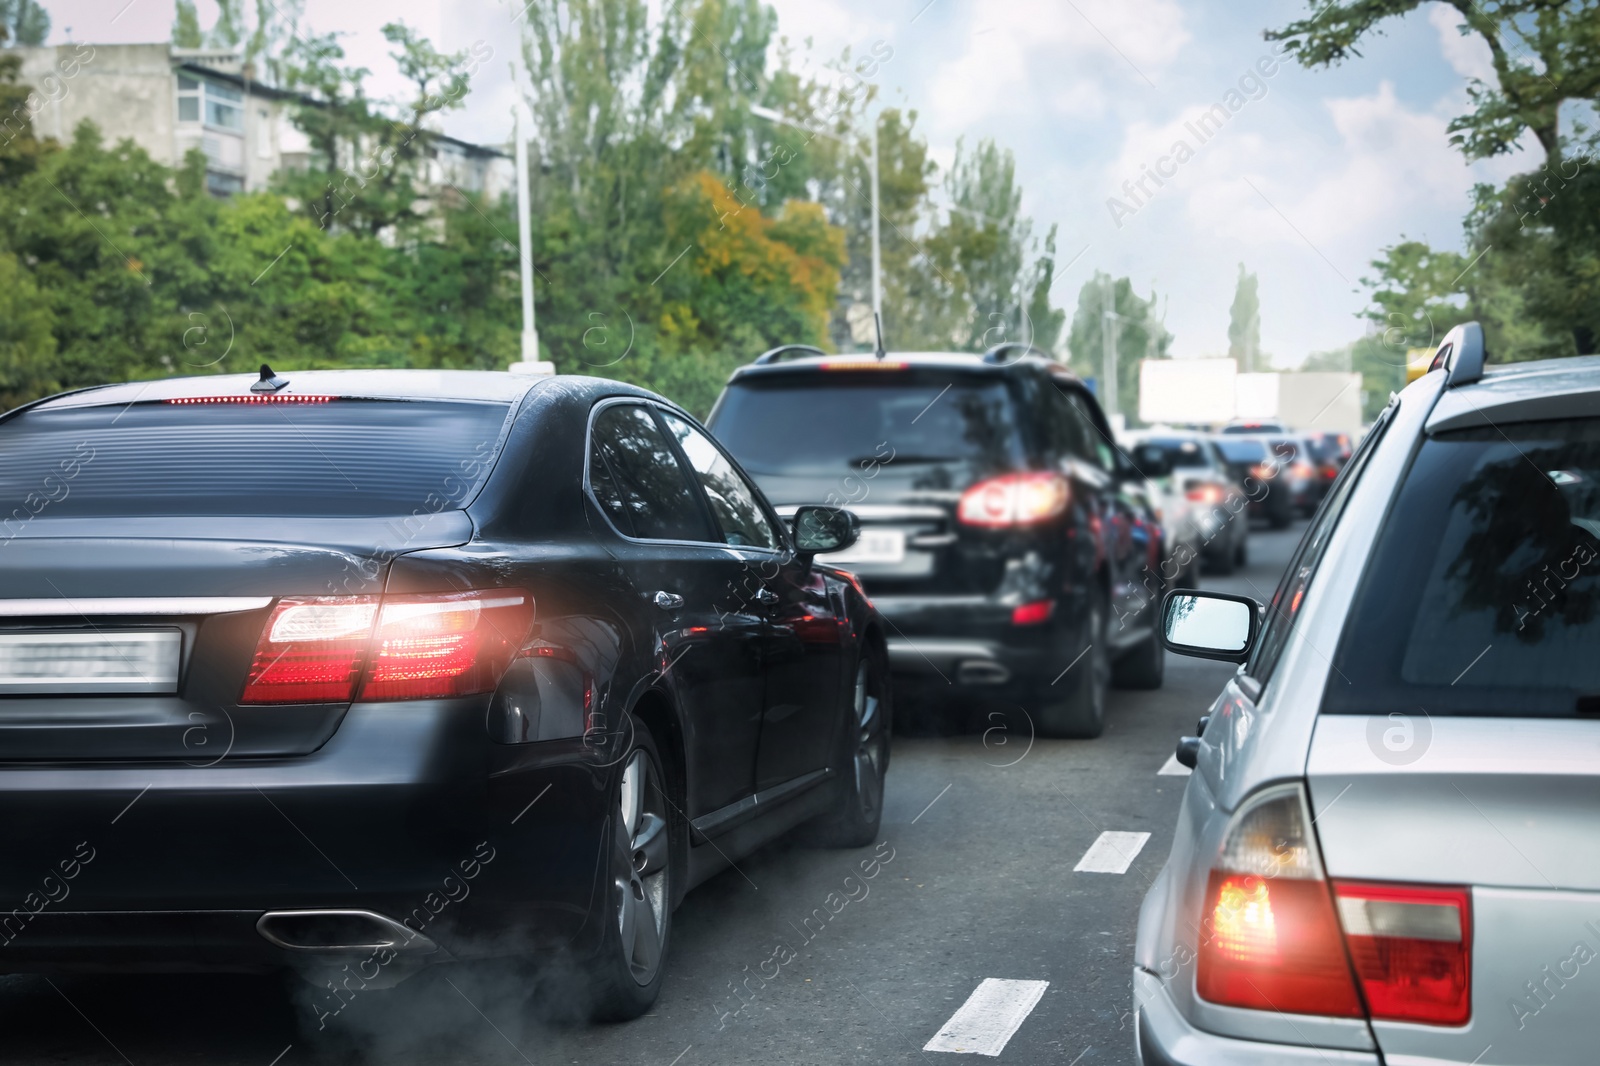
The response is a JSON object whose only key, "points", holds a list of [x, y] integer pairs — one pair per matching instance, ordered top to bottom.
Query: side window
{"points": [[1064, 429], [1099, 449], [636, 476], [733, 500], [1291, 593]]}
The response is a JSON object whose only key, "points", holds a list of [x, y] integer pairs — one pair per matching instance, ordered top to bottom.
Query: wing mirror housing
{"points": [[821, 530], [1210, 625]]}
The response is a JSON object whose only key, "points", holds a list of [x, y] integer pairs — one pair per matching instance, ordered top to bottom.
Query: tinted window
{"points": [[824, 422], [1101, 450], [1242, 451], [1181, 453], [345, 458], [640, 482], [733, 501], [1483, 593], [1284, 610]]}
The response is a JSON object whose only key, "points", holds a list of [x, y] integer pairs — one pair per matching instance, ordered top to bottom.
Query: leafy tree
{"points": [[23, 22], [186, 25], [1545, 54], [1244, 325], [1138, 335]]}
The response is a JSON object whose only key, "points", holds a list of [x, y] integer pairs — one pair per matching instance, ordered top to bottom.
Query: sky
{"points": [[1310, 175]]}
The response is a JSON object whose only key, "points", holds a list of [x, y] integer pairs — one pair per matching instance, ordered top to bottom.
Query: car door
{"points": [[1129, 536], [706, 641], [803, 642]]}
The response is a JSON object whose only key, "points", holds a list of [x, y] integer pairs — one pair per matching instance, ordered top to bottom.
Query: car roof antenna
{"points": [[877, 321], [269, 382]]}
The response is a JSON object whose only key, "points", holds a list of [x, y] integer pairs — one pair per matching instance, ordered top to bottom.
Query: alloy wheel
{"points": [[641, 883]]}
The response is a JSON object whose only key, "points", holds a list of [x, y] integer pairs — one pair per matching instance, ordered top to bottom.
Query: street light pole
{"points": [[872, 171], [877, 249], [530, 334]]}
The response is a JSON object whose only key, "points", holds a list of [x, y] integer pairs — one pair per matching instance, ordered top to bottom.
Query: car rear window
{"points": [[824, 422], [1242, 451], [1181, 453], [344, 458], [1482, 592]]}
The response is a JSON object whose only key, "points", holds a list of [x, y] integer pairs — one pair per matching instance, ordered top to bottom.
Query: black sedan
{"points": [[358, 671]]}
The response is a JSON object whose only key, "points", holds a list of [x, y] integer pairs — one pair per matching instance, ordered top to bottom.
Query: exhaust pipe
{"points": [[982, 672], [337, 932]]}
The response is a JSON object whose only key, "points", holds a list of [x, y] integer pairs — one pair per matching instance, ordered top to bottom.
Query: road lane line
{"points": [[1173, 768], [1112, 853], [989, 1018]]}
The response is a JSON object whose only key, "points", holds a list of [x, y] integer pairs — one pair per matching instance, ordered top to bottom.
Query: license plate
{"points": [[886, 546], [108, 661]]}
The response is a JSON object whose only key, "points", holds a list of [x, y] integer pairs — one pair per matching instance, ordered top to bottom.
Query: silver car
{"points": [[1389, 849]]}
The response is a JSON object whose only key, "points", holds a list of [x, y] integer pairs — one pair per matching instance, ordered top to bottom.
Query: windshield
{"points": [[799, 425], [1242, 450], [347, 458], [1481, 597]]}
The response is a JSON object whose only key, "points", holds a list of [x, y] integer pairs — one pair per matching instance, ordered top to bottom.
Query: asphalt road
{"points": [[975, 879]]}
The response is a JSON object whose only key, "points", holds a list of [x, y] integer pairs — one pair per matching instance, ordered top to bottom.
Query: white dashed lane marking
{"points": [[1173, 768], [1112, 853], [989, 1018]]}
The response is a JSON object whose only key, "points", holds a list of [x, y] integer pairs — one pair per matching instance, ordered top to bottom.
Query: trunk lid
{"points": [[137, 646]]}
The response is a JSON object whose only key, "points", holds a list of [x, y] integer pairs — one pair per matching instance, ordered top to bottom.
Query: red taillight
{"points": [[252, 398], [1304, 470], [1264, 471], [1329, 471], [1206, 494], [1014, 500], [1032, 614], [410, 647], [312, 650], [1270, 936], [1277, 936], [1273, 944], [1412, 949]]}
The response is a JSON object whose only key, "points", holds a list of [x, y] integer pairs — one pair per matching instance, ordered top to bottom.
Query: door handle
{"points": [[766, 596], [667, 601]]}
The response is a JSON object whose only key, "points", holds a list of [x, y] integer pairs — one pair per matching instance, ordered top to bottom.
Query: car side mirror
{"points": [[1152, 460], [821, 530], [1209, 625]]}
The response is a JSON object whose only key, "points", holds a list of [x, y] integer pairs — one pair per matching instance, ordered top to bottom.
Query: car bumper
{"points": [[971, 641], [409, 812], [1163, 1037]]}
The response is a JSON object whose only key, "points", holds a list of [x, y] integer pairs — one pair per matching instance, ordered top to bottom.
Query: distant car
{"points": [[1254, 428], [1260, 470], [1203, 504], [1009, 545], [352, 672], [1388, 849]]}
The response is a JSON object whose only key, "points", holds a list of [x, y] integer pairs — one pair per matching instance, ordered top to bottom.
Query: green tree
{"points": [[23, 22], [186, 25], [1545, 55], [1244, 325], [1137, 334]]}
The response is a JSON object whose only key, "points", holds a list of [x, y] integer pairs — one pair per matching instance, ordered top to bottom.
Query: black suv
{"points": [[1009, 543]]}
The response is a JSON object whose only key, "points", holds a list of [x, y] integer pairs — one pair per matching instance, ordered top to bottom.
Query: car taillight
{"points": [[1304, 470], [1264, 471], [1329, 471], [1205, 494], [1014, 500], [1032, 614], [312, 650], [318, 650], [1278, 936], [1270, 937], [1412, 949]]}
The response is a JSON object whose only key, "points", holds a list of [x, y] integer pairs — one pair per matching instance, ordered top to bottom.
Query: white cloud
{"points": [[1066, 54], [1469, 55]]}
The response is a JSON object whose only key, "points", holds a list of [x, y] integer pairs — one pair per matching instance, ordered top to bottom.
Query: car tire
{"points": [[1241, 554], [1222, 563], [1144, 666], [1080, 712], [863, 760], [625, 976]]}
